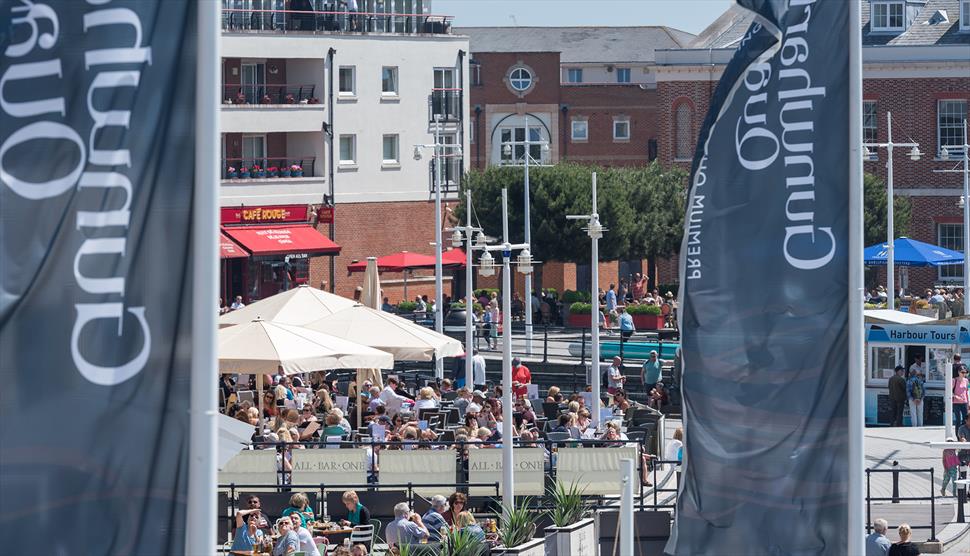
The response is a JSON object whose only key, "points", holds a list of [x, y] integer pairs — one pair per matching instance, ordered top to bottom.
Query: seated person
{"points": [[658, 396], [565, 421], [333, 427], [456, 504], [254, 505], [300, 505], [357, 513], [433, 519], [466, 522], [407, 527], [250, 536], [288, 541], [307, 545]]}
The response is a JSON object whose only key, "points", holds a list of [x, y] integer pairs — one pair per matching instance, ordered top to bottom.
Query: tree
{"points": [[643, 209], [875, 213]]}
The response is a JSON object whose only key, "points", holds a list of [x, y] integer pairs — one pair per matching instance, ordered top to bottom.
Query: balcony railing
{"points": [[321, 16], [269, 94], [446, 104], [284, 167], [451, 173]]}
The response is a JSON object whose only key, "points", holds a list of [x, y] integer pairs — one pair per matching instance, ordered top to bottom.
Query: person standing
{"points": [[611, 299], [627, 328], [478, 372], [650, 373], [521, 378], [615, 378], [914, 393], [897, 395], [961, 396], [876, 543]]}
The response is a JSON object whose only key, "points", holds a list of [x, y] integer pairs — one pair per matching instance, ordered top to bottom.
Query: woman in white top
{"points": [[426, 399], [673, 449]]}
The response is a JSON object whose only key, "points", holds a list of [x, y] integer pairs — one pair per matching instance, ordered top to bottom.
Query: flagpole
{"points": [[856, 388], [200, 527]]}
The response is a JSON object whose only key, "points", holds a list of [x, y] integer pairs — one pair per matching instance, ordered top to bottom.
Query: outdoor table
{"points": [[334, 535]]}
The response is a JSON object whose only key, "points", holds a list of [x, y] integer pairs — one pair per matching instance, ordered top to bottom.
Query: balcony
{"points": [[319, 16], [269, 94], [445, 104], [452, 172], [259, 187]]}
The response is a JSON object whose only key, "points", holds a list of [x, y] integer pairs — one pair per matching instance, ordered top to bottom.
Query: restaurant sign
{"points": [[263, 215]]}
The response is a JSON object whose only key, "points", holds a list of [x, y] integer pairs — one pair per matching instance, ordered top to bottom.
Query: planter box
{"points": [[581, 320], [648, 322], [578, 539], [535, 547]]}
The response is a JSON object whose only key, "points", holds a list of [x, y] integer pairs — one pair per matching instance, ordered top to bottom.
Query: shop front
{"points": [[278, 243], [889, 345]]}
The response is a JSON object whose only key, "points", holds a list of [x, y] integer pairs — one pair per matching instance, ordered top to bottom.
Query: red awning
{"points": [[281, 240], [228, 249], [405, 260]]}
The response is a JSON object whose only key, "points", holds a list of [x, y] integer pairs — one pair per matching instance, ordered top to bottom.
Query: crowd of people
{"points": [[945, 302]]}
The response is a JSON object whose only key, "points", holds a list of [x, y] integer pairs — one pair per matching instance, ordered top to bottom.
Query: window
{"points": [[965, 15], [887, 16], [475, 73], [574, 75], [622, 75], [444, 78], [520, 79], [252, 80], [389, 80], [347, 81], [869, 126], [949, 128], [621, 129], [580, 130], [471, 131], [683, 132], [513, 144], [348, 149], [253, 150], [391, 151], [451, 161], [951, 237]]}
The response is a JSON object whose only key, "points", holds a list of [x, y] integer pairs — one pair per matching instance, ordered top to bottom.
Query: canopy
{"points": [[280, 240], [228, 249], [909, 252], [454, 257], [398, 262], [298, 306], [387, 332], [262, 347]]}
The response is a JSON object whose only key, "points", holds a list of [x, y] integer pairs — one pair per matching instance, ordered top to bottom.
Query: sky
{"points": [[687, 15]]}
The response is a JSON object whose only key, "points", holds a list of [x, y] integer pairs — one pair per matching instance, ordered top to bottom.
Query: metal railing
{"points": [[323, 16], [269, 94], [445, 104], [284, 167], [451, 174], [896, 498]]}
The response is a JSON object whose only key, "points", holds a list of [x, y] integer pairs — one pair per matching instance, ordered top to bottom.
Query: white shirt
{"points": [[236, 305], [478, 369], [392, 401], [425, 404], [671, 449], [307, 543]]}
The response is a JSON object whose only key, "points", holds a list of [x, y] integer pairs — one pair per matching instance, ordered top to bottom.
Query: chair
{"points": [[449, 396], [550, 410], [558, 437], [363, 534]]}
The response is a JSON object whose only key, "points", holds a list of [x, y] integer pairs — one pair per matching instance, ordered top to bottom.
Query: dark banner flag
{"points": [[96, 184], [764, 286]]}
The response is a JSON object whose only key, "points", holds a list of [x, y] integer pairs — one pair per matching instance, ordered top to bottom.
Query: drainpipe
{"points": [[461, 108], [330, 134], [563, 138], [478, 144]]}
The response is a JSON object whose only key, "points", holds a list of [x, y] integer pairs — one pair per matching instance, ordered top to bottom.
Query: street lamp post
{"points": [[544, 145], [439, 153], [945, 153], [914, 154], [595, 231], [457, 237], [487, 268]]}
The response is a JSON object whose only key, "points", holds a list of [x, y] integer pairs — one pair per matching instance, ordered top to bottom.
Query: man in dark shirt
{"points": [[897, 395]]}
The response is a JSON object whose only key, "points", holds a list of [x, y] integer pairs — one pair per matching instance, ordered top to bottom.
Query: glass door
{"points": [[253, 81], [254, 150]]}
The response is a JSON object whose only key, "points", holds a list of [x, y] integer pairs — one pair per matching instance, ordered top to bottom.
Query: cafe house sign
{"points": [[264, 215]]}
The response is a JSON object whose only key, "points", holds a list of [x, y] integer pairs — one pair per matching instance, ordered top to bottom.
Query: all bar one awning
{"points": [[282, 240], [228, 249]]}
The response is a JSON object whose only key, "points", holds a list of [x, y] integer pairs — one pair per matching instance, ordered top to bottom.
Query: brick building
{"points": [[916, 57], [590, 93], [345, 97]]}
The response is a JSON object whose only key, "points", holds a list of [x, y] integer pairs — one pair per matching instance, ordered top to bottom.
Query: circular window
{"points": [[520, 79]]}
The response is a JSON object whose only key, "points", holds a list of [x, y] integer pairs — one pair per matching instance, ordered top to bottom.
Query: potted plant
{"points": [[241, 98], [267, 99], [290, 99], [314, 100], [272, 171], [284, 171], [296, 171], [257, 172], [231, 173], [244, 173], [406, 307], [924, 308], [579, 315], [646, 317], [516, 529], [573, 533], [460, 542]]}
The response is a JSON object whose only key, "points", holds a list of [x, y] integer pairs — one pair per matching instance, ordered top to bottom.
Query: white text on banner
{"points": [[485, 466], [418, 467], [332, 468], [594, 470]]}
